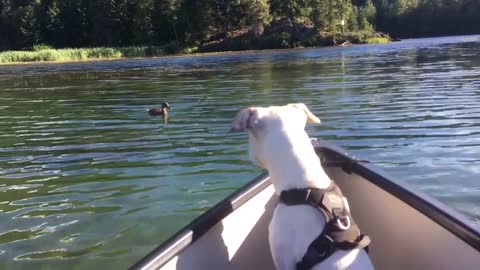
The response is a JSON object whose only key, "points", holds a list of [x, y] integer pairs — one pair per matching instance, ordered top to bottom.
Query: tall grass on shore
{"points": [[377, 40], [46, 53]]}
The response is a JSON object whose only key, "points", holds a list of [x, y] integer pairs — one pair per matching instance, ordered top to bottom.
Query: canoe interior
{"points": [[403, 236]]}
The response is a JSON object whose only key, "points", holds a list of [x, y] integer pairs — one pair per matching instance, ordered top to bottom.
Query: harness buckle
{"points": [[308, 194], [342, 219], [343, 223]]}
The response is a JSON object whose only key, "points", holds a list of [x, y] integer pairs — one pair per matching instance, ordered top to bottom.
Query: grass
{"points": [[363, 37], [377, 40], [46, 53]]}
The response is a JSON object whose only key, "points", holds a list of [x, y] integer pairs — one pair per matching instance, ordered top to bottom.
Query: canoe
{"points": [[408, 229]]}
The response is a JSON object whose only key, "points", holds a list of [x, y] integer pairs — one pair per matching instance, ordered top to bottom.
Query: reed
{"points": [[377, 40], [45, 53]]}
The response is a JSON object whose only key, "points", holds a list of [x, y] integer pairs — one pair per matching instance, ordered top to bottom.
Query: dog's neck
{"points": [[293, 164]]}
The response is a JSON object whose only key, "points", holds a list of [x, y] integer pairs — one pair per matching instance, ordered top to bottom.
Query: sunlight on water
{"points": [[89, 180]]}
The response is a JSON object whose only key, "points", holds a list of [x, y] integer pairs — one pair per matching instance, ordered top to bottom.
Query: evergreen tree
{"points": [[291, 9], [258, 14], [321, 14], [328, 15], [366, 16], [196, 20], [352, 20], [165, 21], [17, 22], [68, 23], [138, 25]]}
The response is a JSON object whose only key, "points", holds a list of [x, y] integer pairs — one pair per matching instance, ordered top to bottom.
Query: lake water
{"points": [[88, 180]]}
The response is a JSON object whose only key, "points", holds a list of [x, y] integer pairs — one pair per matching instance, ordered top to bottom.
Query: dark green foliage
{"points": [[291, 9], [321, 14], [327, 15], [413, 18], [165, 21], [17, 23], [177, 24], [277, 40]]}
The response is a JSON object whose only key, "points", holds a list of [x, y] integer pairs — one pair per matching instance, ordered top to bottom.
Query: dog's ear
{"points": [[311, 118], [243, 119]]}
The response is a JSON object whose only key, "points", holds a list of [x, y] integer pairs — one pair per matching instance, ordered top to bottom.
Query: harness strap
{"points": [[314, 197], [340, 231], [323, 246]]}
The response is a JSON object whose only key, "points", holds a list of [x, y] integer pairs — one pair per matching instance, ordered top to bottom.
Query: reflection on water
{"points": [[89, 180]]}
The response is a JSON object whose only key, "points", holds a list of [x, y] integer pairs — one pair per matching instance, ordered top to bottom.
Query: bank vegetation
{"points": [[70, 30]]}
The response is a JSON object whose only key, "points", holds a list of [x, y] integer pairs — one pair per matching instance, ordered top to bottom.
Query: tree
{"points": [[291, 9], [343, 10], [368, 11], [241, 14], [321, 14], [226, 15], [260, 15], [327, 15], [366, 16], [165, 20], [195, 20], [352, 20], [17, 23], [69, 24], [138, 25]]}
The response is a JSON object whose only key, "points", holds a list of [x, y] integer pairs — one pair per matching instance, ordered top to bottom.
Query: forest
{"points": [[117, 23]]}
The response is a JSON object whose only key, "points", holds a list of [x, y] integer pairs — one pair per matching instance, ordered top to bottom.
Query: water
{"points": [[89, 181]]}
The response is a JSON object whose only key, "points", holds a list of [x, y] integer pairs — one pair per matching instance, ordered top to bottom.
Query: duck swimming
{"points": [[163, 110]]}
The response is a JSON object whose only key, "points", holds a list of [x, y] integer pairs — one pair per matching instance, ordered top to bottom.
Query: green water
{"points": [[88, 180]]}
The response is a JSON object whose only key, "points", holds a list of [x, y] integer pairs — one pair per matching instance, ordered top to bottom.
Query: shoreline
{"points": [[159, 53], [197, 54]]}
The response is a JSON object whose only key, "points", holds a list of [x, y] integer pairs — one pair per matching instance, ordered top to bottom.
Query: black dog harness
{"points": [[340, 232]]}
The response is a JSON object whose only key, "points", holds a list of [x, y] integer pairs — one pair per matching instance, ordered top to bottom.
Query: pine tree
{"points": [[291, 9], [321, 14], [259, 16], [165, 19]]}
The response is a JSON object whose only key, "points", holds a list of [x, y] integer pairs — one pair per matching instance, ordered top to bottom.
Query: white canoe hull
{"points": [[409, 230]]}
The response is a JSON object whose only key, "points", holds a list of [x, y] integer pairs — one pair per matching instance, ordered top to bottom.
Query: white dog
{"points": [[278, 142]]}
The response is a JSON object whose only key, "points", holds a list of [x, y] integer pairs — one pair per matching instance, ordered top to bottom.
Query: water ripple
{"points": [[89, 180]]}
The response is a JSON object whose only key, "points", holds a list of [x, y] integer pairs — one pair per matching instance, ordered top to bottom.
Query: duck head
{"points": [[166, 106]]}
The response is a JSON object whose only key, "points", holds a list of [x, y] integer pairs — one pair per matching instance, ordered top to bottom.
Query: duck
{"points": [[163, 110]]}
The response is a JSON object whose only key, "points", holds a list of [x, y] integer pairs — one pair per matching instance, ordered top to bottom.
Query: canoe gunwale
{"points": [[435, 210], [439, 213], [200, 225]]}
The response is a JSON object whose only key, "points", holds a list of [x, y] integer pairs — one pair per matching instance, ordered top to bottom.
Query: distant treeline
{"points": [[420, 18], [88, 23]]}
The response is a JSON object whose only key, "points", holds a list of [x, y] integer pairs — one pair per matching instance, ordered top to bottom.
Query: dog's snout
{"points": [[241, 122], [234, 130]]}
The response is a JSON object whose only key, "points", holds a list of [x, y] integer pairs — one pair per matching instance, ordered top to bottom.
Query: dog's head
{"points": [[270, 126]]}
